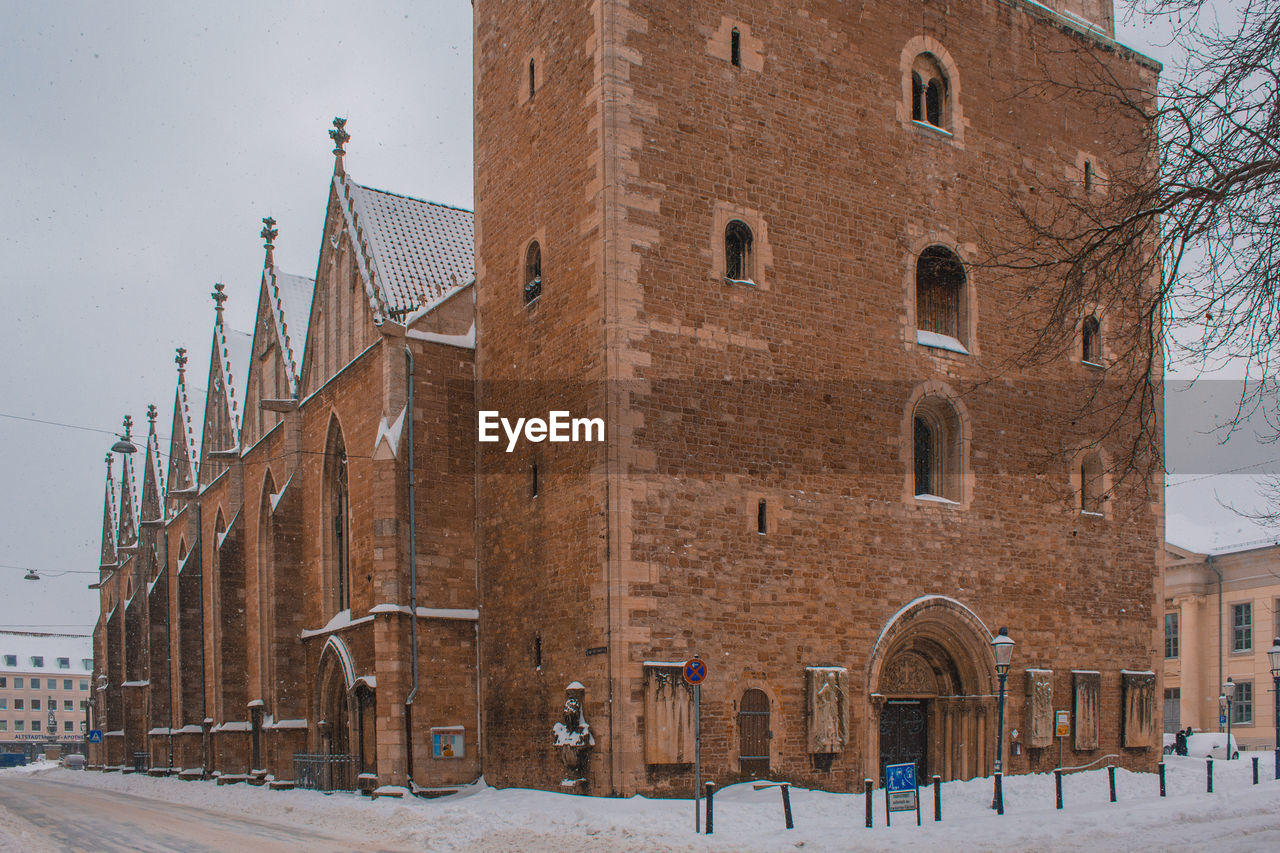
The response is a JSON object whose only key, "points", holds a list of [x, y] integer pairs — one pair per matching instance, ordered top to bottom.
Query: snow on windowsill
{"points": [[933, 127], [748, 282], [467, 341], [938, 341], [1095, 365], [937, 499], [1091, 513], [460, 613], [341, 619], [678, 663], [826, 669], [287, 724], [233, 726]]}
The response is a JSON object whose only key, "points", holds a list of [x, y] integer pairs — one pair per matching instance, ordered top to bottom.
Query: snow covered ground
{"points": [[1237, 817]]}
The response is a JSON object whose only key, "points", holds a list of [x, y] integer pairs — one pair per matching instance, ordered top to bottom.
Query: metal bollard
{"points": [[1208, 763], [1161, 766], [1255, 770], [1111, 780], [1057, 784], [711, 789], [999, 792], [866, 796], [937, 798], [786, 804]]}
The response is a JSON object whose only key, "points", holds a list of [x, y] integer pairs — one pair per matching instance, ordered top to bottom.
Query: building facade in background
{"points": [[747, 243], [1221, 616], [44, 691]]}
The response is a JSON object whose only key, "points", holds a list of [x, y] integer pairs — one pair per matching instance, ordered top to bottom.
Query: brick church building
{"points": [[748, 239]]}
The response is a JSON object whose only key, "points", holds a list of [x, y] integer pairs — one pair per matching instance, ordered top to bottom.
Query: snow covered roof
{"points": [[416, 251], [291, 297], [236, 348], [24, 645]]}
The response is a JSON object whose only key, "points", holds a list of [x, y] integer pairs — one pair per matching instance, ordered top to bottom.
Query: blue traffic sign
{"points": [[695, 671], [1222, 719], [95, 736]]}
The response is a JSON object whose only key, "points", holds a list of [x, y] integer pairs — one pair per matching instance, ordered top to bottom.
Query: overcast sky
{"points": [[145, 143]]}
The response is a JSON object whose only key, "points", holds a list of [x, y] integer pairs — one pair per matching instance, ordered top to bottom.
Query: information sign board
{"points": [[1062, 727], [901, 791]]}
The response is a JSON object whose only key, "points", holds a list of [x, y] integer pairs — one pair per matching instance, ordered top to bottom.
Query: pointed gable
{"points": [[383, 256], [271, 381], [219, 439], [181, 477], [152, 478], [127, 527], [108, 559]]}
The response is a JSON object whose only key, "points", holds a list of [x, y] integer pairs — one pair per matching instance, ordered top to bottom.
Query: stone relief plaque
{"points": [[1086, 686], [1138, 690], [1039, 708], [668, 716]]}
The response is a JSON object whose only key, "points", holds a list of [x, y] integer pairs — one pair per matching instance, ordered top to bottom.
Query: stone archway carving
{"points": [[937, 650], [334, 683]]}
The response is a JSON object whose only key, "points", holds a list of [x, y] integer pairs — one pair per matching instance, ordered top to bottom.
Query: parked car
{"points": [[1211, 745], [73, 761]]}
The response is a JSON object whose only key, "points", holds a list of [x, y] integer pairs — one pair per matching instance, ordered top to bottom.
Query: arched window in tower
{"points": [[929, 92], [737, 251], [532, 272], [940, 296], [1091, 340], [936, 450], [1092, 485], [337, 553]]}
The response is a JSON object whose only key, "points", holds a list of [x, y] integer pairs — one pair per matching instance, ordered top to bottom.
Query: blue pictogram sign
{"points": [[695, 671], [95, 736]]}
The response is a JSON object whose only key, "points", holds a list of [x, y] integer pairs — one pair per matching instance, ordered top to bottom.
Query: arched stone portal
{"points": [[931, 680], [333, 698]]}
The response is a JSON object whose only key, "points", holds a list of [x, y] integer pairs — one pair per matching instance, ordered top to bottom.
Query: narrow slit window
{"points": [[735, 47], [533, 78], [917, 97], [933, 103], [1088, 175], [737, 251], [532, 272], [1091, 340], [925, 444], [533, 480], [1091, 485], [762, 517], [537, 651]]}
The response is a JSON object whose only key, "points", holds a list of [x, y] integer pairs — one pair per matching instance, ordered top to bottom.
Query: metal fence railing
{"points": [[325, 772]]}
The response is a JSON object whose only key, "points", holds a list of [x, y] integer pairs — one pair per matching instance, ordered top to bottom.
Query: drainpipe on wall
{"points": [[1214, 569], [413, 578]]}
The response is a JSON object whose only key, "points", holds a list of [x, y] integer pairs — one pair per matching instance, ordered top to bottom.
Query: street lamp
{"points": [[1002, 646], [1273, 654], [1228, 693]]}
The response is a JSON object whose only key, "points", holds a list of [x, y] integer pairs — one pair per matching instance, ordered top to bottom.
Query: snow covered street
{"points": [[49, 808]]}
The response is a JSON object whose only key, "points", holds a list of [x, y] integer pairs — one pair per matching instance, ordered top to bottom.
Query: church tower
{"points": [[750, 238]]}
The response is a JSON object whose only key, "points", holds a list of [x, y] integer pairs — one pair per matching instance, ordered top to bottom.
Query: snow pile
{"points": [[1237, 817]]}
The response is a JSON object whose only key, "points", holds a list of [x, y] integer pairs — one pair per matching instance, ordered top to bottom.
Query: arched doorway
{"points": [[337, 675], [932, 691], [753, 734]]}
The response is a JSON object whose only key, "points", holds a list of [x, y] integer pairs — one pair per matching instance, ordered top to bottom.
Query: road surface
{"points": [[39, 814]]}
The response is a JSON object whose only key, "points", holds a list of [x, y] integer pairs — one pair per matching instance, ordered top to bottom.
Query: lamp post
{"points": [[1002, 646], [1273, 654], [1229, 693]]}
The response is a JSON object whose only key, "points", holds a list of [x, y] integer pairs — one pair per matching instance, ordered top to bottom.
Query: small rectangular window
{"points": [[735, 47], [1088, 175], [762, 517], [1242, 627], [1170, 635], [537, 651], [10, 660], [37, 661], [64, 663], [86, 663], [4, 681], [17, 682], [35, 684], [66, 684], [84, 684], [4, 703], [35, 704], [19, 705], [66, 705], [84, 705], [1242, 706], [4, 725], [19, 725], [67, 725], [35, 726]]}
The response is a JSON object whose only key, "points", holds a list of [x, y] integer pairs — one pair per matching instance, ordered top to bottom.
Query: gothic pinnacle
{"points": [[339, 136]]}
